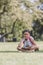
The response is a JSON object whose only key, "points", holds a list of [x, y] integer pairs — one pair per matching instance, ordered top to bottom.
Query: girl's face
{"points": [[26, 35]]}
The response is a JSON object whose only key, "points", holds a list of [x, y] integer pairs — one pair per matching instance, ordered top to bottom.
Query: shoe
{"points": [[37, 49]]}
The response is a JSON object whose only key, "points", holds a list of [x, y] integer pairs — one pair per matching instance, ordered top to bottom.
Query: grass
{"points": [[10, 56]]}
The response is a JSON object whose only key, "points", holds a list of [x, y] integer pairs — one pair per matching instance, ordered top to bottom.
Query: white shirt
{"points": [[27, 42]]}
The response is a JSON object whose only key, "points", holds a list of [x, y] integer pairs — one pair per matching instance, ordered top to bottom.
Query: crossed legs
{"points": [[35, 48]]}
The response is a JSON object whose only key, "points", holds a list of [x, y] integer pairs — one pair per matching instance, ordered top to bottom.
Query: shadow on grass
{"points": [[9, 51], [40, 51]]}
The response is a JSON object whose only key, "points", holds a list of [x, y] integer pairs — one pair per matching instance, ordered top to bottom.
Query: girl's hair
{"points": [[25, 31]]}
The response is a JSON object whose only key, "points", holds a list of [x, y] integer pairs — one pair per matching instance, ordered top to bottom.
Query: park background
{"points": [[18, 15]]}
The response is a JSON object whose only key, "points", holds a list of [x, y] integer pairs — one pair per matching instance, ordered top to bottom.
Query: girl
{"points": [[27, 43]]}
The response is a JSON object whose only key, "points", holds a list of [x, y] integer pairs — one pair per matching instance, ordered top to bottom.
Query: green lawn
{"points": [[10, 56]]}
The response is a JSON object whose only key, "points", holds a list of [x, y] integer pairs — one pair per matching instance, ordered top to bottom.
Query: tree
{"points": [[17, 15]]}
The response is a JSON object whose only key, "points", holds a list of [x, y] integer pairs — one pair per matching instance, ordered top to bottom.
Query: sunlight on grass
{"points": [[10, 56]]}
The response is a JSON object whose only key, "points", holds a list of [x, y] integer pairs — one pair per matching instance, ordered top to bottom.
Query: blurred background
{"points": [[18, 15]]}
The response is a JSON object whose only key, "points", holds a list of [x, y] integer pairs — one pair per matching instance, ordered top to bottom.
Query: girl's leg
{"points": [[35, 48], [23, 49]]}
